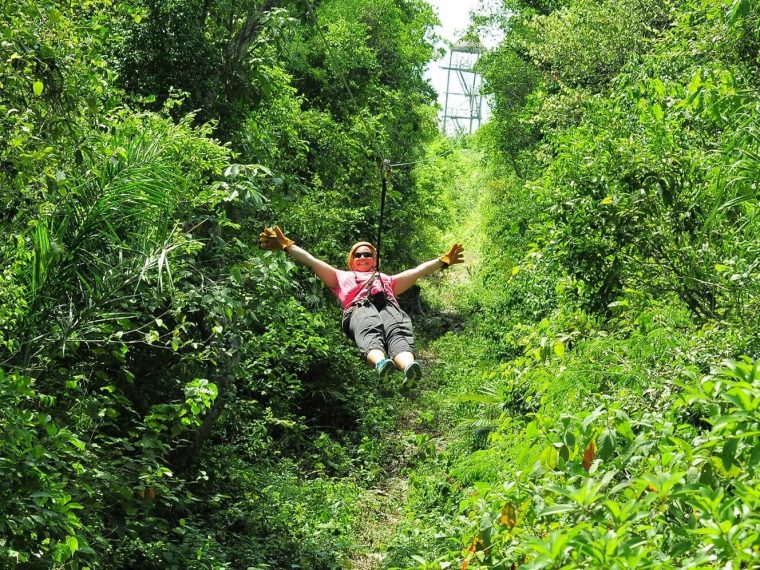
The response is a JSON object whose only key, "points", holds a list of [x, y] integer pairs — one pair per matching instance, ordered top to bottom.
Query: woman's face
{"points": [[364, 259]]}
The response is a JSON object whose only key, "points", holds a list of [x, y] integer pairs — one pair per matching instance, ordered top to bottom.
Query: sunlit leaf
{"points": [[557, 509], [508, 515]]}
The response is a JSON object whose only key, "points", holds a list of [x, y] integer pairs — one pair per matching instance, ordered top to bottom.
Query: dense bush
{"points": [[172, 396], [605, 413], [620, 487]]}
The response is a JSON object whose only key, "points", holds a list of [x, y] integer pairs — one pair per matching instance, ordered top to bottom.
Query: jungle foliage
{"points": [[172, 396], [606, 405]]}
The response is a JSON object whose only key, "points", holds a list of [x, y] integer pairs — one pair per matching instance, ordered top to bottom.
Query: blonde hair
{"points": [[356, 246]]}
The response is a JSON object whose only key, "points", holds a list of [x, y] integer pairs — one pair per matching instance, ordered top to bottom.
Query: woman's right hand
{"points": [[273, 239]]}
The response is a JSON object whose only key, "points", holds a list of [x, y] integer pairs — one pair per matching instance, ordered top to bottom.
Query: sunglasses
{"points": [[360, 254]]}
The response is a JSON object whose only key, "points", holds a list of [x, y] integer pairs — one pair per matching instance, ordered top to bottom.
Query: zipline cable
{"points": [[429, 158], [385, 172]]}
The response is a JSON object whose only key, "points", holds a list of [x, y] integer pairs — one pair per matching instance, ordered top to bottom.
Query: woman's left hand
{"points": [[454, 255]]}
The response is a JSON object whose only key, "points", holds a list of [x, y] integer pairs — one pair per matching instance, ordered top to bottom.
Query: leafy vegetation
{"points": [[600, 391], [172, 396]]}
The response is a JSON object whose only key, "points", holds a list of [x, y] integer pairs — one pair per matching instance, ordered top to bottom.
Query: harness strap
{"points": [[366, 289]]}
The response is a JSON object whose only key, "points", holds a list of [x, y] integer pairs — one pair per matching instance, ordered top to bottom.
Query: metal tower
{"points": [[462, 110]]}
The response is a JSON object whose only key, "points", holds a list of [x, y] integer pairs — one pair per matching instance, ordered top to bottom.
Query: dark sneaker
{"points": [[384, 368], [412, 374]]}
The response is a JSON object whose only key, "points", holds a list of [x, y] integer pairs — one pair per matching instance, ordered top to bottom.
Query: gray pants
{"points": [[379, 324]]}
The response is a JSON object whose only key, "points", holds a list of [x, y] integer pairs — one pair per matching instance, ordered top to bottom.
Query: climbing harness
{"points": [[361, 297]]}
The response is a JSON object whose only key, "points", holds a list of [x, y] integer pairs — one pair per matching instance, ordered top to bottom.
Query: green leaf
{"points": [[739, 10], [695, 84], [38, 87], [659, 87], [658, 113], [589, 419], [624, 429], [531, 431], [570, 440], [606, 444], [728, 456], [548, 457], [754, 458], [556, 509], [72, 543]]}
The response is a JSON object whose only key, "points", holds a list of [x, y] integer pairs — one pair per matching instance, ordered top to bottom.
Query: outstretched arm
{"points": [[274, 239], [324, 271], [409, 277]]}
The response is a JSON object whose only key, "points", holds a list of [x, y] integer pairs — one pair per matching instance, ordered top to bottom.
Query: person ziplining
{"points": [[372, 317]]}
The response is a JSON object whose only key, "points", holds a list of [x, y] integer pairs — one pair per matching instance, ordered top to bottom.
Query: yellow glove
{"points": [[273, 238], [454, 255]]}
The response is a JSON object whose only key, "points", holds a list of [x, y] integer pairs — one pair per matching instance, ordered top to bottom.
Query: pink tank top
{"points": [[351, 286]]}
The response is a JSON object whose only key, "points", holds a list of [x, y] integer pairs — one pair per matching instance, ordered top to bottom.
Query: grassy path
{"points": [[427, 426], [384, 507]]}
